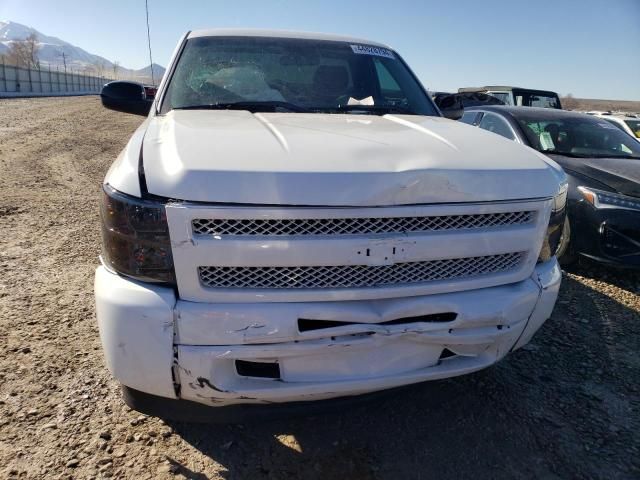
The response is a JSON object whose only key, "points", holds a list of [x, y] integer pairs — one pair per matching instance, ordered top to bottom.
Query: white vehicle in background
{"points": [[517, 96], [627, 123], [295, 221]]}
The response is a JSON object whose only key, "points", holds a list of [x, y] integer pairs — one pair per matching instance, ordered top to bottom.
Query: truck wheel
{"points": [[564, 253]]}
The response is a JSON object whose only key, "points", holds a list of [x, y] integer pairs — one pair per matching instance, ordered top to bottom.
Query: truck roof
{"points": [[251, 32], [500, 87], [545, 114]]}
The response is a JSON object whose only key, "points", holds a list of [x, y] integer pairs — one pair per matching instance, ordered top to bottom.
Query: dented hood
{"points": [[336, 160]]}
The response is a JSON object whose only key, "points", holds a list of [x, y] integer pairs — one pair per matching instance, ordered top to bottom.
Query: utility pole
{"points": [[146, 6], [4, 74]]}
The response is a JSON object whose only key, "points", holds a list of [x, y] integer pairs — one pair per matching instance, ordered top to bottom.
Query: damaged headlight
{"points": [[602, 199], [556, 225], [135, 237]]}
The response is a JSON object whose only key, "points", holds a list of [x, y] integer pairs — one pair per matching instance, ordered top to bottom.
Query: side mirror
{"points": [[128, 97], [450, 106]]}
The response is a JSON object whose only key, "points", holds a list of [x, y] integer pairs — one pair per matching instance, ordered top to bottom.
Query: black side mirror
{"points": [[128, 97], [450, 106]]}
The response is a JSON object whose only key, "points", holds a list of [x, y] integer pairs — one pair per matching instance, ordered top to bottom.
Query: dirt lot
{"points": [[587, 104], [566, 406]]}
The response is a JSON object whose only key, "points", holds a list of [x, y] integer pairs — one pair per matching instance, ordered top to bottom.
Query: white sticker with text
{"points": [[371, 50], [546, 142]]}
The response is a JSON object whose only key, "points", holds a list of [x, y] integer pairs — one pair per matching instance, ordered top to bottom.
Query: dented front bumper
{"points": [[158, 344]]}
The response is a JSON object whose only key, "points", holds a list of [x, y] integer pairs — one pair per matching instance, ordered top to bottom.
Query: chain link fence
{"points": [[33, 82]]}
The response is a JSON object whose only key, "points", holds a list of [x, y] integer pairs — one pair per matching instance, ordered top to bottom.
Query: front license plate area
{"points": [[344, 361]]}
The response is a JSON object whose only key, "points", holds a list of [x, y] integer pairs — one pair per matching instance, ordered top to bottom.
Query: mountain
{"points": [[51, 48], [54, 52], [158, 71]]}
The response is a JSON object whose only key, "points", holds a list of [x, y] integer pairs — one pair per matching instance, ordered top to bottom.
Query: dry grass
{"points": [[587, 104]]}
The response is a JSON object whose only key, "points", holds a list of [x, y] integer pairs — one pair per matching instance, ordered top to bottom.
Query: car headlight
{"points": [[602, 199], [556, 225], [135, 237]]}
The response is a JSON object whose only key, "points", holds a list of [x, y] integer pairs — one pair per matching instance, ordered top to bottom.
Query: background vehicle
{"points": [[516, 96], [452, 105], [627, 123], [603, 166], [294, 221]]}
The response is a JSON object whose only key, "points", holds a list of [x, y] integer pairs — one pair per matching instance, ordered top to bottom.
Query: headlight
{"points": [[602, 199], [556, 225], [135, 237]]}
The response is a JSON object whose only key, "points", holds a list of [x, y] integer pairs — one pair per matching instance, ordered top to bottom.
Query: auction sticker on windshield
{"points": [[370, 50], [546, 142]]}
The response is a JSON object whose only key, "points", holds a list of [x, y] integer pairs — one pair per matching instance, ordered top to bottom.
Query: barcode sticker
{"points": [[371, 50]]}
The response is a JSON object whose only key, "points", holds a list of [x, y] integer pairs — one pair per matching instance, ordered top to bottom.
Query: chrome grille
{"points": [[355, 226], [356, 276]]}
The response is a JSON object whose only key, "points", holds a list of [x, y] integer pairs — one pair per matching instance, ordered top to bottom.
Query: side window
{"points": [[388, 84], [390, 91], [504, 97], [470, 117], [495, 124], [634, 126]]}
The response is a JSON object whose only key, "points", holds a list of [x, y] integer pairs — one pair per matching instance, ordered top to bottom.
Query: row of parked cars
{"points": [[627, 122], [599, 151]]}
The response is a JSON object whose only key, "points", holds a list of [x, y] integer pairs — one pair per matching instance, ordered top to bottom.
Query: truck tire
{"points": [[564, 253]]}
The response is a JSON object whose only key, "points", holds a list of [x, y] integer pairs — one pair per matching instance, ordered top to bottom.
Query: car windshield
{"points": [[286, 74], [634, 125], [579, 136]]}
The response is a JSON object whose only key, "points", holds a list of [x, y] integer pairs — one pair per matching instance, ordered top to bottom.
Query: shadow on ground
{"points": [[566, 406]]}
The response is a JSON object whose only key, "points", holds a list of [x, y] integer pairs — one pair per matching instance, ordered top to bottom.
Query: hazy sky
{"points": [[590, 48]]}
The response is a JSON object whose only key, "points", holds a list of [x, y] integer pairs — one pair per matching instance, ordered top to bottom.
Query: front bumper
{"points": [[608, 235], [160, 345]]}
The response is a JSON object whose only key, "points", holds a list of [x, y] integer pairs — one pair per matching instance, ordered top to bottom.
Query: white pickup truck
{"points": [[296, 221]]}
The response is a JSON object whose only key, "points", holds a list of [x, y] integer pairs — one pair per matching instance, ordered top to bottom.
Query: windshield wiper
{"points": [[266, 106], [272, 106], [375, 109], [563, 154], [589, 155], [625, 156]]}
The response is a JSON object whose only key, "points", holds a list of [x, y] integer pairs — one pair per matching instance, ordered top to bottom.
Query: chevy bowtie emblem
{"points": [[384, 252]]}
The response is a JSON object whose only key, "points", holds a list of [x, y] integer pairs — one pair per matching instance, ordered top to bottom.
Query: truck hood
{"points": [[336, 160]]}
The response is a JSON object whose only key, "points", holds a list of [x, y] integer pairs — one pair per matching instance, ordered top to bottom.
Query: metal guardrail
{"points": [[27, 82]]}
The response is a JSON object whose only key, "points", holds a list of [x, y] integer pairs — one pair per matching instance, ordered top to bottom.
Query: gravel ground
{"points": [[566, 406]]}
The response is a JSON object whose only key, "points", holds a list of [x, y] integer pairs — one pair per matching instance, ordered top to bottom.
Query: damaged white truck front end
{"points": [[273, 256]]}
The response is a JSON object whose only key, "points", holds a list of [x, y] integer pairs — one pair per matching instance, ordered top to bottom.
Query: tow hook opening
{"points": [[306, 325], [446, 353], [258, 369]]}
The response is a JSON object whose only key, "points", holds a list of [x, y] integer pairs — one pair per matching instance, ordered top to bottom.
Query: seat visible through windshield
{"points": [[314, 74], [578, 136]]}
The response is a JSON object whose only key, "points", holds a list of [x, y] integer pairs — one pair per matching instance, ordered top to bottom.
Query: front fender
{"points": [[123, 174]]}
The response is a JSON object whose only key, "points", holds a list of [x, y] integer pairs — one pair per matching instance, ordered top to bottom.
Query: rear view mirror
{"points": [[128, 97], [450, 106]]}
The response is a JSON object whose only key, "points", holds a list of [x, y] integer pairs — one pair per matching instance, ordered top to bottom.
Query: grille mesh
{"points": [[355, 226], [356, 276]]}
